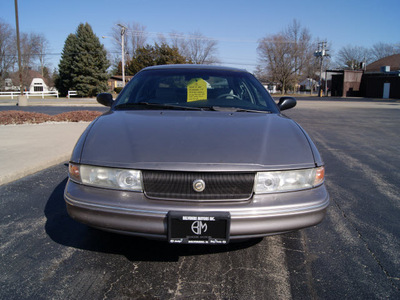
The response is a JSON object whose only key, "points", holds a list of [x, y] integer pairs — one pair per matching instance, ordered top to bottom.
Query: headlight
{"points": [[121, 179], [284, 181]]}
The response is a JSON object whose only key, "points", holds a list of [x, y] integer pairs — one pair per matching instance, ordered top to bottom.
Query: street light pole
{"points": [[123, 29], [18, 47], [321, 53], [320, 77], [22, 100]]}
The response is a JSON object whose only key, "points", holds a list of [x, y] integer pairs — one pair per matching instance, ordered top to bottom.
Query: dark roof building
{"points": [[393, 61], [382, 78]]}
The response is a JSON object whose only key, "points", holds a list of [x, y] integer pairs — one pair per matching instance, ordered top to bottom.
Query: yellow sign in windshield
{"points": [[196, 90]]}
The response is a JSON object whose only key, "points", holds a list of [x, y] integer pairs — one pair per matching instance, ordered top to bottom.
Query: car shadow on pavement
{"points": [[63, 230]]}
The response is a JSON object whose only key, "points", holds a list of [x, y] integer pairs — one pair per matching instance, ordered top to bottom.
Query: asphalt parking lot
{"points": [[353, 254]]}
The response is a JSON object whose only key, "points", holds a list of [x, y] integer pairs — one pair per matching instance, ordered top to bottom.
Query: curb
{"points": [[8, 178]]}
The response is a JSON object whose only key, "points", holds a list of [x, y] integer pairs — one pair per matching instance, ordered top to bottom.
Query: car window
{"points": [[196, 88]]}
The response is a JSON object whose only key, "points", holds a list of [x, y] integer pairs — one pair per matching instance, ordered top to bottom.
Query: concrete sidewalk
{"points": [[37, 101], [26, 149]]}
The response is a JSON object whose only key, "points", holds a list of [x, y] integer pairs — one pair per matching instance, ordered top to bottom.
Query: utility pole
{"points": [[123, 29], [321, 53], [22, 100]]}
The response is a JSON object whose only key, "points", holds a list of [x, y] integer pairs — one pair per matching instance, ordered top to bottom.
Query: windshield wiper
{"points": [[157, 105], [167, 105], [184, 107], [239, 109]]}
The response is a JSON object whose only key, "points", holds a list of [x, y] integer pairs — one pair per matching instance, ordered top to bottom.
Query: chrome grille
{"points": [[179, 185]]}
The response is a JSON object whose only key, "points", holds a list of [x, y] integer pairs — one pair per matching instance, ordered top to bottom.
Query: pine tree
{"points": [[154, 55], [166, 55], [144, 57], [83, 66], [63, 80]]}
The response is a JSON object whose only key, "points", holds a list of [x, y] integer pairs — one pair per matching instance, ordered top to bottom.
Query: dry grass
{"points": [[21, 117]]}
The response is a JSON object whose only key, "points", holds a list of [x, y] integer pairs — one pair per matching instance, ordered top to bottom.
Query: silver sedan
{"points": [[196, 154]]}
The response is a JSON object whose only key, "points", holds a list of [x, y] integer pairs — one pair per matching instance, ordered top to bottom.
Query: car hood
{"points": [[195, 141]]}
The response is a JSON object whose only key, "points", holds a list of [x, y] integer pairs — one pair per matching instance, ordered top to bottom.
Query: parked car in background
{"points": [[196, 154]]}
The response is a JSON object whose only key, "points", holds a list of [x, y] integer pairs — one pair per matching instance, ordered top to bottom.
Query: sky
{"points": [[237, 25]]}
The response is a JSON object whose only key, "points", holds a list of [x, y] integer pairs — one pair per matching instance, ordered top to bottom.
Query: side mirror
{"points": [[105, 99], [286, 103]]}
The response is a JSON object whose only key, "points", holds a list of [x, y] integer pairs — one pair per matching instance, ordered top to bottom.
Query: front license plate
{"points": [[198, 228]]}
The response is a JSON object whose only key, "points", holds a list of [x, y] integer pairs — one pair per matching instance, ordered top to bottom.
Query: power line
{"points": [[172, 35], [53, 54]]}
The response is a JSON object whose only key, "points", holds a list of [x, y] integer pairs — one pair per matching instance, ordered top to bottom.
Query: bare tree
{"points": [[135, 37], [162, 40], [176, 40], [42, 47], [197, 48], [29, 49], [33, 49], [200, 49], [7, 50], [302, 50], [381, 50], [274, 52], [287, 55], [352, 57]]}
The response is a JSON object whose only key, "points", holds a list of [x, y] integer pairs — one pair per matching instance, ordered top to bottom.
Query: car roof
{"points": [[194, 67]]}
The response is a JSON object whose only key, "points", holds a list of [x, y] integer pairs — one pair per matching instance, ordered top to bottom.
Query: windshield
{"points": [[195, 88]]}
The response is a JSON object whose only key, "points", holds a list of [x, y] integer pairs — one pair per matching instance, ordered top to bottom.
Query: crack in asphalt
{"points": [[388, 190], [370, 251], [55, 263], [308, 266], [116, 281], [179, 281]]}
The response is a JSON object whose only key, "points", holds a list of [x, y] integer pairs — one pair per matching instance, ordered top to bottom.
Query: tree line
{"points": [[194, 46], [34, 48], [286, 57], [84, 61], [85, 64]]}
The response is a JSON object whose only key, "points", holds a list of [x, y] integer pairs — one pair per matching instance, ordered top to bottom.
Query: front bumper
{"points": [[133, 213]]}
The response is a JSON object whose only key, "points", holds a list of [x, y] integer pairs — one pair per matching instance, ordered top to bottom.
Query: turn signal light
{"points": [[74, 172], [319, 176]]}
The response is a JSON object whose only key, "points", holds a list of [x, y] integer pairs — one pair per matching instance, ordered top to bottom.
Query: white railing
{"points": [[72, 93], [8, 94], [29, 94], [42, 94]]}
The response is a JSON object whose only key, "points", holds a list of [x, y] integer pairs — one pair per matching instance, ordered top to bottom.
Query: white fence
{"points": [[72, 93], [29, 94]]}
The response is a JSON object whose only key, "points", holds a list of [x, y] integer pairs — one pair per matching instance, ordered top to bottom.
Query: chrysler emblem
{"points": [[199, 185]]}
